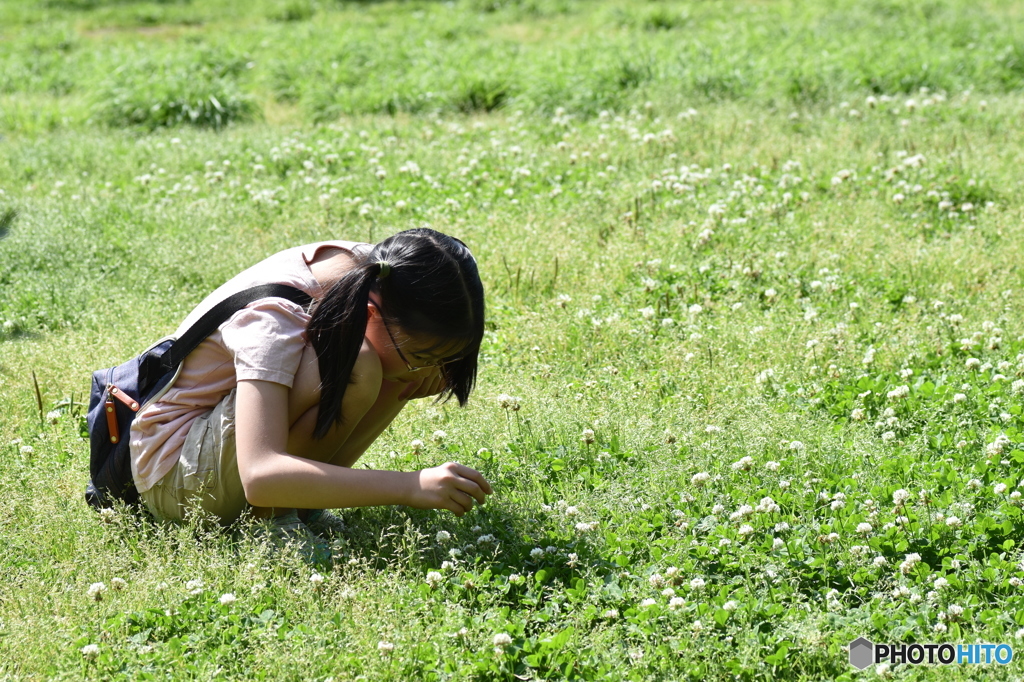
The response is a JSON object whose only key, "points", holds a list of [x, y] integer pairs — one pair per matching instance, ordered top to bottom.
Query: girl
{"points": [[271, 411]]}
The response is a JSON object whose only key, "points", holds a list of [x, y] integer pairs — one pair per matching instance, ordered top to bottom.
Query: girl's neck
{"points": [[330, 264]]}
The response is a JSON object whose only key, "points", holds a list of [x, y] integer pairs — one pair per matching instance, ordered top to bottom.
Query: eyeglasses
{"points": [[439, 363]]}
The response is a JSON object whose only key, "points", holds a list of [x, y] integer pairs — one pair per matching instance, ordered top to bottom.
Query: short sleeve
{"points": [[267, 339]]}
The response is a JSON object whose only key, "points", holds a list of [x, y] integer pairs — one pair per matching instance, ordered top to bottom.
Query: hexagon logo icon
{"points": [[862, 652]]}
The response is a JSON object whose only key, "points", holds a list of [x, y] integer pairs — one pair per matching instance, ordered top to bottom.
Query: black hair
{"points": [[431, 287]]}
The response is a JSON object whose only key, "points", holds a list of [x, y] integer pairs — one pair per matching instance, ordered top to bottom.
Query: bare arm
{"points": [[271, 477]]}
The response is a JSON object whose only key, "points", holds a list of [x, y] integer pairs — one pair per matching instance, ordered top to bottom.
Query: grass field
{"points": [[753, 378]]}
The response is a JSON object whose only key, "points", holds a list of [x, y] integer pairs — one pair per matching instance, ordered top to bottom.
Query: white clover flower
{"points": [[696, 309], [648, 312], [972, 363], [898, 393], [959, 397], [508, 402], [439, 436], [587, 436], [889, 436], [416, 445], [998, 446], [27, 449], [744, 464], [772, 466], [700, 478], [974, 484], [999, 488], [900, 496], [717, 509], [744, 511], [954, 522], [583, 527], [864, 528], [745, 530], [442, 536], [486, 539], [778, 543], [536, 553], [879, 561], [909, 563], [434, 578], [316, 579], [118, 583], [940, 583], [697, 584], [194, 587], [96, 591], [668, 592], [227, 599], [648, 602], [676, 602], [955, 610], [610, 614], [501, 641], [385, 647], [90, 650]]}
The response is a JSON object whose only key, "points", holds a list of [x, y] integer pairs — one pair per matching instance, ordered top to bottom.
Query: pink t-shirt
{"points": [[263, 341]]}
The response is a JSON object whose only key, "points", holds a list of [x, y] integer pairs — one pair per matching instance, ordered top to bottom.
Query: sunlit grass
{"points": [[751, 385]]}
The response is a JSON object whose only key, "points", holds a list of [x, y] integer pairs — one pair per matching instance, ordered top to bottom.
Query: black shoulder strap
{"points": [[154, 366]]}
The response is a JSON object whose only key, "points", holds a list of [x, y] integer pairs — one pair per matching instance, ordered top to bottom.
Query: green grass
{"points": [[708, 231]]}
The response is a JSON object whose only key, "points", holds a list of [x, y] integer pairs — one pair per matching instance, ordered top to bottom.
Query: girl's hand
{"points": [[431, 384], [450, 486]]}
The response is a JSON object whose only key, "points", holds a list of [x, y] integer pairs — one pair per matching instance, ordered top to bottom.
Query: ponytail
{"points": [[336, 330]]}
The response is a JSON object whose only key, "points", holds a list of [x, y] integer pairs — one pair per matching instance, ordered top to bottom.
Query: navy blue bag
{"points": [[119, 392]]}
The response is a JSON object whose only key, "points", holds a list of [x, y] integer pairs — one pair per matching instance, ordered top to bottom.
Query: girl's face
{"points": [[402, 357]]}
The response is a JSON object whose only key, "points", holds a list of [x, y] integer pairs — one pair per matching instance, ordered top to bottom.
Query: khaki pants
{"points": [[205, 476]]}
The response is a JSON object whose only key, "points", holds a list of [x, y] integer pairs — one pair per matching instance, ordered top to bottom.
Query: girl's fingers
{"points": [[475, 476], [471, 488], [463, 500]]}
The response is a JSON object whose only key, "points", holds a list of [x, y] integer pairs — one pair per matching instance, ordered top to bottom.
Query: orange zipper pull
{"points": [[124, 398], [108, 407]]}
